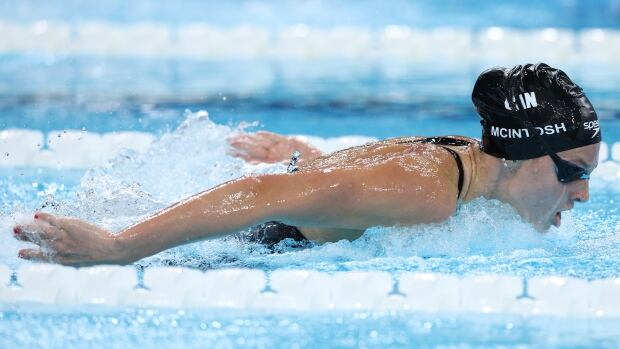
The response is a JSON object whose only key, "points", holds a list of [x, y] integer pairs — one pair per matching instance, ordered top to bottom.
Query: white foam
{"points": [[5, 274]]}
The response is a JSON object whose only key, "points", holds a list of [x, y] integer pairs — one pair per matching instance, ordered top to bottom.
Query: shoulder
{"points": [[428, 180]]}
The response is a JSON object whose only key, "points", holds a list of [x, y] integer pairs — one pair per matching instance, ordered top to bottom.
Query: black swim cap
{"points": [[526, 105]]}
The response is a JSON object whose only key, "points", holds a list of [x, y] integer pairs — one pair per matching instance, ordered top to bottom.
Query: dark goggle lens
{"points": [[567, 171]]}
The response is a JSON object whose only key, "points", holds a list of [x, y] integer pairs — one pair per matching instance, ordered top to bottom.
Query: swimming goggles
{"points": [[566, 171]]}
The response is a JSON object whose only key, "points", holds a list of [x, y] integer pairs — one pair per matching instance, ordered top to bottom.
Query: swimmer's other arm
{"points": [[270, 147], [347, 198]]}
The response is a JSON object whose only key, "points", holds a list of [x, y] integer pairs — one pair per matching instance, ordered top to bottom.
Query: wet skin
{"points": [[331, 197]]}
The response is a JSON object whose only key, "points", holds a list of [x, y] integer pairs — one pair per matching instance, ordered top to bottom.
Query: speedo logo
{"points": [[527, 100], [592, 126], [503, 132]]}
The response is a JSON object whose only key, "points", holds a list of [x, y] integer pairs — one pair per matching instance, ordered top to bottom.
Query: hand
{"points": [[269, 147], [67, 241]]}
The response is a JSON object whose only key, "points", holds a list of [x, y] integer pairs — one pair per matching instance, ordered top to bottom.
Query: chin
{"points": [[542, 226]]}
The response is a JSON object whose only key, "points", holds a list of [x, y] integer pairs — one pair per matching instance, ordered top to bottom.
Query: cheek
{"points": [[543, 192], [550, 193]]}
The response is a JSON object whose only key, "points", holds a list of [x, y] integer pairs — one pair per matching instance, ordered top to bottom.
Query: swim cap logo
{"points": [[527, 99], [592, 126]]}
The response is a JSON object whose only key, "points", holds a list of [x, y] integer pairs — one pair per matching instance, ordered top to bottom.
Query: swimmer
{"points": [[540, 142]]}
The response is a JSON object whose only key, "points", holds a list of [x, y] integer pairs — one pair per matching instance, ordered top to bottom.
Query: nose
{"points": [[581, 191]]}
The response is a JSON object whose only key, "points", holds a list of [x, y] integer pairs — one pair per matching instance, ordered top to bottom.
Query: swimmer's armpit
{"points": [[269, 147]]}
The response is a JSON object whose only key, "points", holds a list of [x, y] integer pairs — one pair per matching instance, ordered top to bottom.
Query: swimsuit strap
{"points": [[442, 141], [459, 164]]}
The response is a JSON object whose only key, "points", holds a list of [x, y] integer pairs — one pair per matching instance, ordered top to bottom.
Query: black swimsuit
{"points": [[271, 233]]}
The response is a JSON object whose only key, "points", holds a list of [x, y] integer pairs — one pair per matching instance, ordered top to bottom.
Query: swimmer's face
{"points": [[540, 197]]}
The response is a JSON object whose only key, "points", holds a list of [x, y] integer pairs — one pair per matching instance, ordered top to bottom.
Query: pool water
{"points": [[188, 155], [483, 237], [232, 329]]}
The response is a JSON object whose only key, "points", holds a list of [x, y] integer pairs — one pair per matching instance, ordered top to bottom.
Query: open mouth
{"points": [[557, 219]]}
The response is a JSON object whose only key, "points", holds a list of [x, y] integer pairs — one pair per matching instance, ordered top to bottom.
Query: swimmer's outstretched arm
{"points": [[350, 198]]}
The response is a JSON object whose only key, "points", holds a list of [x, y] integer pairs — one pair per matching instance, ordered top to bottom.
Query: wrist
{"points": [[121, 250]]}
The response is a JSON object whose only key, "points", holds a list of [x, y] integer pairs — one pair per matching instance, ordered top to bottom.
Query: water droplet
{"points": [[7, 154]]}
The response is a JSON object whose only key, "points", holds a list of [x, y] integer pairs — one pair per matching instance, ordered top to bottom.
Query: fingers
{"points": [[267, 134], [261, 138], [244, 140], [247, 142], [249, 152], [239, 154], [49, 218], [27, 232], [35, 233], [32, 254]]}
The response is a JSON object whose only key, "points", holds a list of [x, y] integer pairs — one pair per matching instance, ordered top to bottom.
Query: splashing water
{"points": [[483, 236]]}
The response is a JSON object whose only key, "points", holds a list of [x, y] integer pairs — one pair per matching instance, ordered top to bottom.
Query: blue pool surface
{"points": [[374, 98], [485, 237], [473, 241], [234, 329]]}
